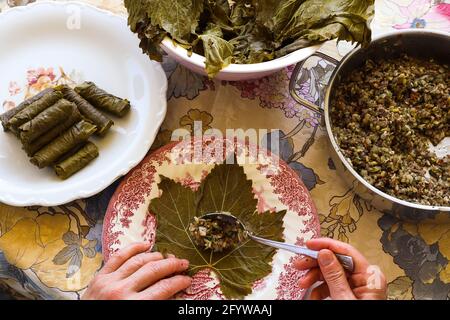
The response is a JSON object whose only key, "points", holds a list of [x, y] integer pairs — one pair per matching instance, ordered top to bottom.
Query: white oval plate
{"points": [[99, 47]]}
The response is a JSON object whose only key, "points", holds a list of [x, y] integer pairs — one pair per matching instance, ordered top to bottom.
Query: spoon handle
{"points": [[346, 261]]}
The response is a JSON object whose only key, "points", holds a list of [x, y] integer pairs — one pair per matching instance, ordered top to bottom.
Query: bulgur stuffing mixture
{"points": [[385, 117], [216, 235]]}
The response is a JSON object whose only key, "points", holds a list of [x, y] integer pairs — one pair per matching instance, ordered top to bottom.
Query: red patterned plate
{"points": [[276, 186]]}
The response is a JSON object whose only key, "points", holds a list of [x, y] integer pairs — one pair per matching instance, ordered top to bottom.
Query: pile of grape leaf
{"points": [[247, 31], [225, 189]]}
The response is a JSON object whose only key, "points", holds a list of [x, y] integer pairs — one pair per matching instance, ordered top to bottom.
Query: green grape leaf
{"points": [[180, 18], [314, 21], [250, 31], [218, 52], [225, 189]]}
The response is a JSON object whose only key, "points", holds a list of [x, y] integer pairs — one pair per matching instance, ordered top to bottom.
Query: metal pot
{"points": [[419, 43]]}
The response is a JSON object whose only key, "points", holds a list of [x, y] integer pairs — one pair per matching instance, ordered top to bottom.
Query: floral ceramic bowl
{"points": [[275, 185]]}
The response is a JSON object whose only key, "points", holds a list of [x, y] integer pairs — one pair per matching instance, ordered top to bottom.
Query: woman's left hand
{"points": [[134, 273]]}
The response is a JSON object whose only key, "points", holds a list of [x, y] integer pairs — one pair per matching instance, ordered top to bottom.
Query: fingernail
{"points": [[326, 258], [185, 263]]}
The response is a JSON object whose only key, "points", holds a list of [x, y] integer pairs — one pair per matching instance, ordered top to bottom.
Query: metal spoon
{"points": [[346, 261]]}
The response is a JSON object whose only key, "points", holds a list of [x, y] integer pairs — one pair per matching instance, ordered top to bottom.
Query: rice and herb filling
{"points": [[386, 117], [216, 235]]}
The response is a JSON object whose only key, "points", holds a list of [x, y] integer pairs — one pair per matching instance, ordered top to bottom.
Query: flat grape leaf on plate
{"points": [[225, 189]]}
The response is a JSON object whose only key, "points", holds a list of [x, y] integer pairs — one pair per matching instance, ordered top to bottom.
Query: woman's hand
{"points": [[136, 274], [365, 283]]}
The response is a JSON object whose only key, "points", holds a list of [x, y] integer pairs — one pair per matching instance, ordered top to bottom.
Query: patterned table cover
{"points": [[52, 253]]}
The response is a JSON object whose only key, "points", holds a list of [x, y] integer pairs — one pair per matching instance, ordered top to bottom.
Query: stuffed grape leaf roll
{"points": [[103, 100], [34, 109], [8, 115], [45, 121], [102, 122], [63, 144], [32, 147], [76, 161]]}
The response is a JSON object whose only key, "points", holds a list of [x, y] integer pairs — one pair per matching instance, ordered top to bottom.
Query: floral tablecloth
{"points": [[52, 253]]}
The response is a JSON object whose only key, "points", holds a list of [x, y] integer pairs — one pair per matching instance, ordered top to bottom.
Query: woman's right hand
{"points": [[136, 274], [365, 283]]}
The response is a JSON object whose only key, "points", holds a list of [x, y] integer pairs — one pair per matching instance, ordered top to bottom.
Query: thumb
{"points": [[334, 276]]}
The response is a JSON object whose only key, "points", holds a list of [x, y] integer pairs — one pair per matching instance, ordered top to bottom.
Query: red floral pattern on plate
{"points": [[125, 212]]}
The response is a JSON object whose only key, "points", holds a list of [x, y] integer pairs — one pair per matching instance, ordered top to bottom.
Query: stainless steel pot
{"points": [[419, 43]]}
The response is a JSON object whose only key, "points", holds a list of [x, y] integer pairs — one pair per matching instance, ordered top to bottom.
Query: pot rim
{"points": [[332, 137]]}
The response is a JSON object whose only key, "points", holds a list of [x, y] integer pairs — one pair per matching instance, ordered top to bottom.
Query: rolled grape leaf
{"points": [[103, 100], [31, 111], [88, 111], [7, 116], [45, 121], [42, 141], [66, 142], [77, 161], [225, 189]]}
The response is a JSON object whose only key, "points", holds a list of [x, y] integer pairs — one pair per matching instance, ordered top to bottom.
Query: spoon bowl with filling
{"points": [[223, 231]]}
